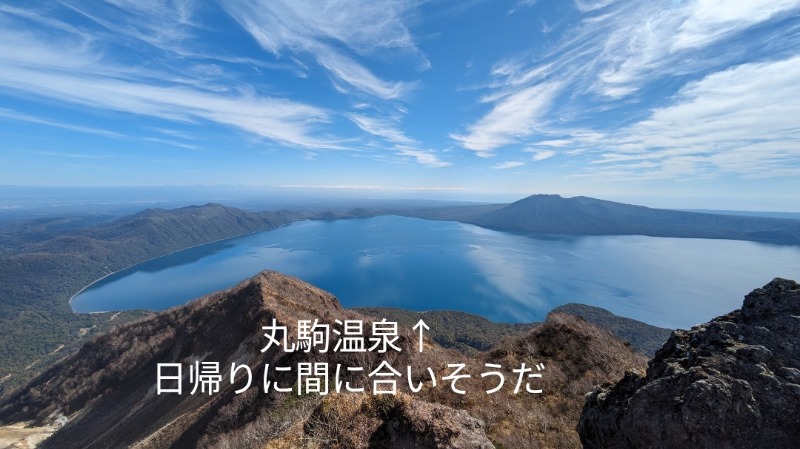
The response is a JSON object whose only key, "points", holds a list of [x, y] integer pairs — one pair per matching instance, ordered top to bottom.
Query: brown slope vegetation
{"points": [[37, 280], [463, 331], [472, 334], [642, 336], [577, 355], [108, 386], [107, 390]]}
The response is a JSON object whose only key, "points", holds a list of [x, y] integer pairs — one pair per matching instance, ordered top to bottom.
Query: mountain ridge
{"points": [[583, 215], [590, 216], [37, 279], [471, 333], [105, 391]]}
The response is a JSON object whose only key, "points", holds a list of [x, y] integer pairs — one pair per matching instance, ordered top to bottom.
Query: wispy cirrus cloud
{"points": [[520, 4], [592, 5], [9, 14], [710, 20], [163, 24], [363, 26], [328, 29], [656, 39], [663, 67], [75, 70], [354, 74], [10, 114], [514, 115], [741, 120], [381, 127], [388, 130], [70, 155], [540, 155], [422, 157], [507, 165]]}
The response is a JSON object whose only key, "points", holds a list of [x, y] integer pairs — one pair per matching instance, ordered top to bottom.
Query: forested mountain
{"points": [[553, 214], [37, 279]]}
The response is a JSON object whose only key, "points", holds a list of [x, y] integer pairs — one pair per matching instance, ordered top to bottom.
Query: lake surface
{"points": [[432, 265]]}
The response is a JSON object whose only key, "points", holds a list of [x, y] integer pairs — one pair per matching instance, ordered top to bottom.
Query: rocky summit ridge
{"points": [[733, 382]]}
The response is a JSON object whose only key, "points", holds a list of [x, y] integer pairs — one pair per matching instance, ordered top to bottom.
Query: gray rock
{"points": [[756, 353], [791, 374], [730, 383], [423, 425]]}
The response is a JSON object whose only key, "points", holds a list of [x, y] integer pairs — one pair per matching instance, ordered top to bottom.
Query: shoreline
{"points": [[69, 302]]}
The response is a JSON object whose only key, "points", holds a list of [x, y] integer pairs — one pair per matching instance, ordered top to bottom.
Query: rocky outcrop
{"points": [[731, 383], [395, 422], [424, 425]]}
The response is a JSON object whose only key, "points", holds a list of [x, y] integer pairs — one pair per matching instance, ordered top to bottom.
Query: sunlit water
{"points": [[431, 265]]}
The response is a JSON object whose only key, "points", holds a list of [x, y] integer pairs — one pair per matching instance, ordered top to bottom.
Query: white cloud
{"points": [[521, 4], [592, 5], [39, 19], [709, 20], [165, 25], [362, 25], [321, 28], [659, 38], [620, 48], [619, 57], [36, 66], [356, 75], [514, 116], [21, 117], [742, 120], [383, 128], [388, 130], [172, 142], [553, 143], [70, 155], [541, 155], [423, 157], [507, 165]]}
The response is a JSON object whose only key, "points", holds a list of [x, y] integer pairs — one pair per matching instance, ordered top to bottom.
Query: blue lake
{"points": [[432, 265]]}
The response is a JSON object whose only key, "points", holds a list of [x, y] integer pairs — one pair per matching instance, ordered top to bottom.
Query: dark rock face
{"points": [[731, 383]]}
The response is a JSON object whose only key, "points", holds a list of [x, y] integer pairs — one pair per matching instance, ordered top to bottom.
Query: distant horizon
{"points": [[42, 196]]}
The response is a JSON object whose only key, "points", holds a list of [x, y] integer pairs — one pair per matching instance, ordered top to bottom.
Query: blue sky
{"points": [[666, 103]]}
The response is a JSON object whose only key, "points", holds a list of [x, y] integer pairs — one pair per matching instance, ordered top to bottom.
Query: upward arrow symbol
{"points": [[422, 328]]}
